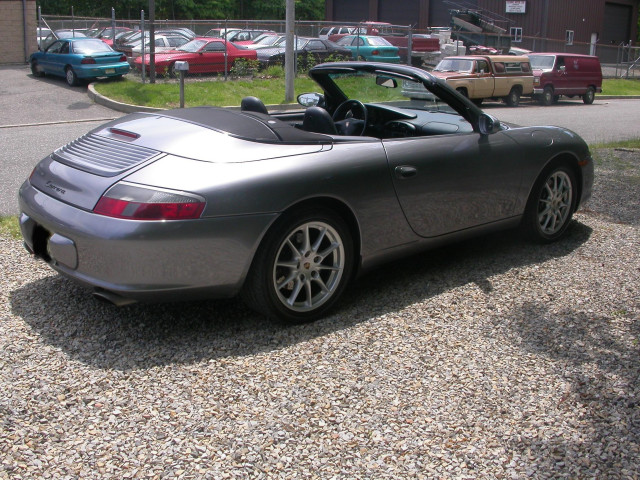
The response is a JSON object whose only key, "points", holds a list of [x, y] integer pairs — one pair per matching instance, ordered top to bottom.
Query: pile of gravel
{"points": [[493, 358]]}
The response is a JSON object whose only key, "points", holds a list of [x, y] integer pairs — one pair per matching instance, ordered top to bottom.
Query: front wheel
{"points": [[35, 69], [72, 78], [589, 96], [546, 98], [551, 204], [302, 267]]}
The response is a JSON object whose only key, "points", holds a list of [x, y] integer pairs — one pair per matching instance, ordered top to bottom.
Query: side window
{"points": [[160, 42], [175, 42], [315, 45], [55, 47], [214, 47], [64, 48], [560, 63], [482, 67], [526, 67]]}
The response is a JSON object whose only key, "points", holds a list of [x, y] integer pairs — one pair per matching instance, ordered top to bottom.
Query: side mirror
{"points": [[311, 100], [488, 124]]}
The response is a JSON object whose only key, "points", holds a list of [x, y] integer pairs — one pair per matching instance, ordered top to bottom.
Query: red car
{"points": [[204, 54]]}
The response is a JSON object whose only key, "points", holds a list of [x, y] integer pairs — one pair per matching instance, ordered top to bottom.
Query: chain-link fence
{"points": [[239, 56]]}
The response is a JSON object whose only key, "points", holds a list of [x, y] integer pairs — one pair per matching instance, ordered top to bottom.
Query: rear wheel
{"points": [[71, 77], [462, 91], [589, 96], [546, 98], [513, 99], [551, 204], [302, 266]]}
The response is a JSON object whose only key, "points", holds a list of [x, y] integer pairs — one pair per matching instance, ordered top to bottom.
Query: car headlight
{"points": [[126, 200]]}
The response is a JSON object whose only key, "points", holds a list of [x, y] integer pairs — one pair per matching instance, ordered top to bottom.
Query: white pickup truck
{"points": [[478, 77]]}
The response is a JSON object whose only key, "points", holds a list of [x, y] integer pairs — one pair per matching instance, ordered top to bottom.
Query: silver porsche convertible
{"points": [[285, 209]]}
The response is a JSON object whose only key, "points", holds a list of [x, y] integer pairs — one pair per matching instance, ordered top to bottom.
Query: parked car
{"points": [[221, 32], [326, 32], [41, 34], [59, 34], [107, 34], [245, 37], [266, 40], [163, 43], [127, 45], [307, 48], [370, 48], [204, 54], [79, 58], [566, 74], [500, 77], [286, 209]]}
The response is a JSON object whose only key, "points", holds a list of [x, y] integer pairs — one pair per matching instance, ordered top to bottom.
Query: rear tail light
{"points": [[375, 52], [123, 58], [88, 60], [125, 200]]}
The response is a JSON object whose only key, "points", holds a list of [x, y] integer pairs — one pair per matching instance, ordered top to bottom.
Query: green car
{"points": [[370, 48]]}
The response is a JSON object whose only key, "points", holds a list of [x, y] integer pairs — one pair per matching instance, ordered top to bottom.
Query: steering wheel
{"points": [[350, 118]]}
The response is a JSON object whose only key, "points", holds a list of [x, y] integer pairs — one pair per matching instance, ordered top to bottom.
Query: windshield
{"points": [[378, 41], [89, 46], [192, 46], [542, 62], [454, 65], [384, 87]]}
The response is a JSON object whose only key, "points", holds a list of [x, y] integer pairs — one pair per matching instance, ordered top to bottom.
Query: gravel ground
{"points": [[489, 359]]}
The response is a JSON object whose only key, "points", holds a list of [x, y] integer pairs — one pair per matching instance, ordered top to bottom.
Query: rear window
{"points": [[89, 46], [512, 67]]}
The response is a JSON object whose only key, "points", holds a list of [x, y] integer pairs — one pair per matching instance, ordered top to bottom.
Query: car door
{"points": [[317, 50], [50, 57], [211, 58], [483, 82], [450, 182]]}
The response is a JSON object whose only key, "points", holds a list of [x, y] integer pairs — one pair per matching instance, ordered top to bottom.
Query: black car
{"points": [[311, 51]]}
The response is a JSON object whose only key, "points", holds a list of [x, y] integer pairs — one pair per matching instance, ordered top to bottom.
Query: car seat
{"points": [[253, 104], [318, 120]]}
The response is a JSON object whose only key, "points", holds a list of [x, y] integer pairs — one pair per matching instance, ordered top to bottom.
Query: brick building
{"points": [[612, 21], [18, 24]]}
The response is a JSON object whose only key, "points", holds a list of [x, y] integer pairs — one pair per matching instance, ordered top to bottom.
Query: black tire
{"points": [[34, 69], [171, 70], [71, 77], [589, 96], [546, 98], [513, 99], [556, 99], [551, 204], [302, 266]]}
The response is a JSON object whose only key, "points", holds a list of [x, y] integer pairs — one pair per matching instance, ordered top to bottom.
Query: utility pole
{"points": [[152, 41], [289, 60]]}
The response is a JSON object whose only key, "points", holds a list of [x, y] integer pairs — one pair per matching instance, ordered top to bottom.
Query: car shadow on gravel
{"points": [[142, 336], [597, 357]]}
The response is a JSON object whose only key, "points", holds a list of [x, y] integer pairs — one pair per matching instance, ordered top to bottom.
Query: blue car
{"points": [[370, 48], [79, 58]]}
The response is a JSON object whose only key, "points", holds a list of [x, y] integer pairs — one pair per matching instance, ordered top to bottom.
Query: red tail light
{"points": [[375, 52], [123, 58], [88, 60], [125, 200]]}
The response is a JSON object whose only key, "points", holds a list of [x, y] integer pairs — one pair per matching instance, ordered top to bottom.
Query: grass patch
{"points": [[620, 86], [215, 92], [635, 143], [9, 226]]}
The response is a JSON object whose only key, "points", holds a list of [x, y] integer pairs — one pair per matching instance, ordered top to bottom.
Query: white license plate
{"points": [[110, 70]]}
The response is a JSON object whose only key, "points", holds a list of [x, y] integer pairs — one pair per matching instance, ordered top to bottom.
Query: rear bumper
{"points": [[107, 70], [141, 260]]}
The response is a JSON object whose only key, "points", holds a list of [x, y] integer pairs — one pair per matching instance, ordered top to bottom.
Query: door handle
{"points": [[405, 171]]}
